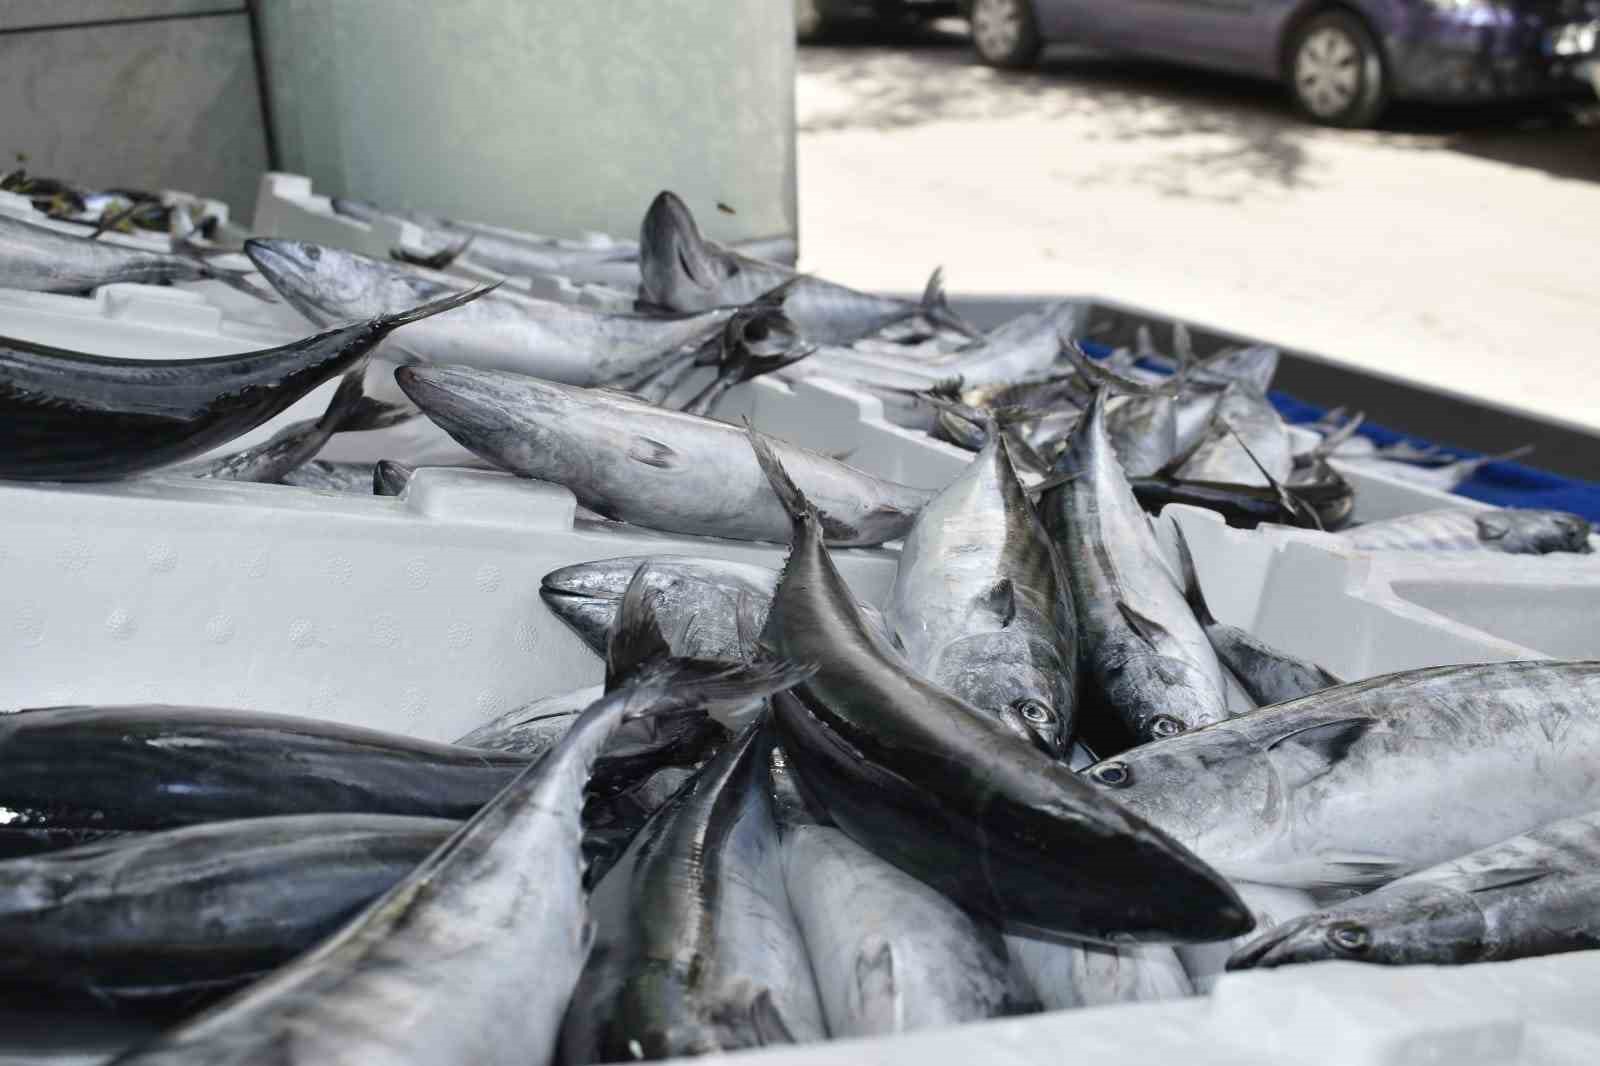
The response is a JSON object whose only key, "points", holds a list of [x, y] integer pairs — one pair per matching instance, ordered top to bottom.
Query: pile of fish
{"points": [[1040, 775]]}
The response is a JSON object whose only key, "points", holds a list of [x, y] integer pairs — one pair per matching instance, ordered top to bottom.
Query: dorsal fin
{"points": [[1292, 504], [1191, 581], [1000, 600], [1149, 630], [636, 640], [1306, 754]]}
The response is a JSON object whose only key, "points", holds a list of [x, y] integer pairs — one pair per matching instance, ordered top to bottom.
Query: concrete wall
{"points": [[142, 93], [551, 115]]}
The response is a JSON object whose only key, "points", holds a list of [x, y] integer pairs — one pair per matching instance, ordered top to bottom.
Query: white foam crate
{"points": [[287, 206]]}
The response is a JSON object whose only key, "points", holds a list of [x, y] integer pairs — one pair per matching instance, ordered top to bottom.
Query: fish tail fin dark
{"points": [[440, 260], [935, 305], [387, 323], [1101, 378], [346, 399], [371, 413], [1331, 443], [1474, 465], [390, 478], [794, 501], [1291, 503], [1191, 580], [637, 640], [731, 690]]}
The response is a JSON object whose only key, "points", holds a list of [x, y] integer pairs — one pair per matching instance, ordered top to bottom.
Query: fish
{"points": [[40, 259], [684, 272], [759, 339], [557, 341], [1014, 350], [70, 416], [1144, 433], [1249, 444], [294, 445], [634, 462], [390, 477], [1446, 477], [354, 478], [1325, 503], [1455, 529], [705, 604], [980, 609], [1148, 670], [1267, 674], [533, 729], [158, 767], [1365, 782], [952, 796], [1537, 893], [1272, 906], [198, 909], [697, 949], [890, 954], [471, 957], [1065, 975]]}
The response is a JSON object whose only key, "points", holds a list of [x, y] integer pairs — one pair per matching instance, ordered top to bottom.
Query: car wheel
{"points": [[808, 21], [1004, 33], [1335, 71]]}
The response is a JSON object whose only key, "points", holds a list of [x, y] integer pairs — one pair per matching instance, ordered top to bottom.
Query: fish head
{"points": [[679, 269], [330, 285], [528, 426], [1534, 531], [589, 616], [1020, 681], [1174, 696], [1212, 789], [1395, 926]]}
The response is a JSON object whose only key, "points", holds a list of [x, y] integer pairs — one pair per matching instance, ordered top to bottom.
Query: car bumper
{"points": [[1489, 54]]}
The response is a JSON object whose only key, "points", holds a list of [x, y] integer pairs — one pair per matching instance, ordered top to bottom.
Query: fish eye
{"points": [[313, 252], [756, 331], [1035, 711], [1164, 725], [1113, 774], [1349, 937]]}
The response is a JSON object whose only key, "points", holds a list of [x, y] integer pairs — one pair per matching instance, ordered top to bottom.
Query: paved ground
{"points": [[1459, 250]]}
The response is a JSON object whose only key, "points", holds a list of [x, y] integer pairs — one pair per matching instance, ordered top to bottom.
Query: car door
{"points": [[1096, 23], [1237, 35]]}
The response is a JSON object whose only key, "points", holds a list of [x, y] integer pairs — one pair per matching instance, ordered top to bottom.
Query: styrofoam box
{"points": [[287, 207]]}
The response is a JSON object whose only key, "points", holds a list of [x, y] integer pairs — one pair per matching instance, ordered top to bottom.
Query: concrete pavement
{"points": [[1457, 250]]}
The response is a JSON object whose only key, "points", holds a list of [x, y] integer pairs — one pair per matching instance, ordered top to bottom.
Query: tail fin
{"points": [[439, 260], [936, 307], [388, 323], [1099, 377], [346, 399], [372, 413], [1330, 443], [1467, 468], [390, 478], [794, 501], [1291, 503], [1191, 581], [637, 640], [719, 694]]}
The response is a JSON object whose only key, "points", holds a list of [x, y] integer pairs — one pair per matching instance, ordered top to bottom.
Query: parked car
{"points": [[813, 17], [1342, 61]]}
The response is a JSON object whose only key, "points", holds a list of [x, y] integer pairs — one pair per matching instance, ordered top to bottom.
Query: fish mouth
{"points": [[672, 248], [282, 263], [474, 406], [589, 617], [1276, 947]]}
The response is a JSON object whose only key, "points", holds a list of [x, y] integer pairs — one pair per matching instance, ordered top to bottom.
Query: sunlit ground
{"points": [[1457, 248]]}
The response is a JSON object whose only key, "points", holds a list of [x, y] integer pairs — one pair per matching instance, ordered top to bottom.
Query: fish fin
{"points": [[440, 260], [450, 302], [936, 307], [1143, 343], [1182, 344], [1099, 377], [345, 399], [371, 413], [1334, 440], [651, 452], [1467, 468], [390, 478], [1054, 481], [794, 501], [1291, 503], [1492, 528], [1191, 581], [1000, 600], [748, 624], [1149, 631], [636, 640], [665, 688], [1314, 750], [1364, 867], [1503, 877], [875, 981], [767, 1022]]}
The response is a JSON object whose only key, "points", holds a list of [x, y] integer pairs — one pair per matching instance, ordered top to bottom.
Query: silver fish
{"points": [[40, 259], [685, 272], [557, 341], [1023, 346], [1243, 420], [1144, 433], [635, 462], [1445, 477], [353, 478], [390, 478], [1515, 532], [980, 609], [1148, 664], [1267, 675], [534, 728], [1365, 782], [1535, 894], [1272, 906], [697, 950], [459, 962], [1066, 975]]}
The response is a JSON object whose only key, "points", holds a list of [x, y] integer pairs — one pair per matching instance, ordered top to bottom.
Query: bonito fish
{"points": [[40, 259], [1515, 532]]}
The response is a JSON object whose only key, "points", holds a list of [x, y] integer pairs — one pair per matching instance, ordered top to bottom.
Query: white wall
{"points": [[552, 115]]}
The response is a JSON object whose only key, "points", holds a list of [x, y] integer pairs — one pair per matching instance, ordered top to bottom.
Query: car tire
{"points": [[809, 23], [1004, 32], [1336, 71]]}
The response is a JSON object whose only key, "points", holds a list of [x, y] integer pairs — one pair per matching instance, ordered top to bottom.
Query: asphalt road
{"points": [[1457, 249]]}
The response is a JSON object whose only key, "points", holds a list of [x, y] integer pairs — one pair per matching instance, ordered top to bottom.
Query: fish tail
{"points": [[440, 260], [936, 307], [386, 323], [1099, 377], [346, 398], [1334, 440], [794, 501], [1191, 581], [637, 640], [734, 689]]}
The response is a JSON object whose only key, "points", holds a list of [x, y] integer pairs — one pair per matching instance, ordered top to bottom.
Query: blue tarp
{"points": [[1503, 484]]}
